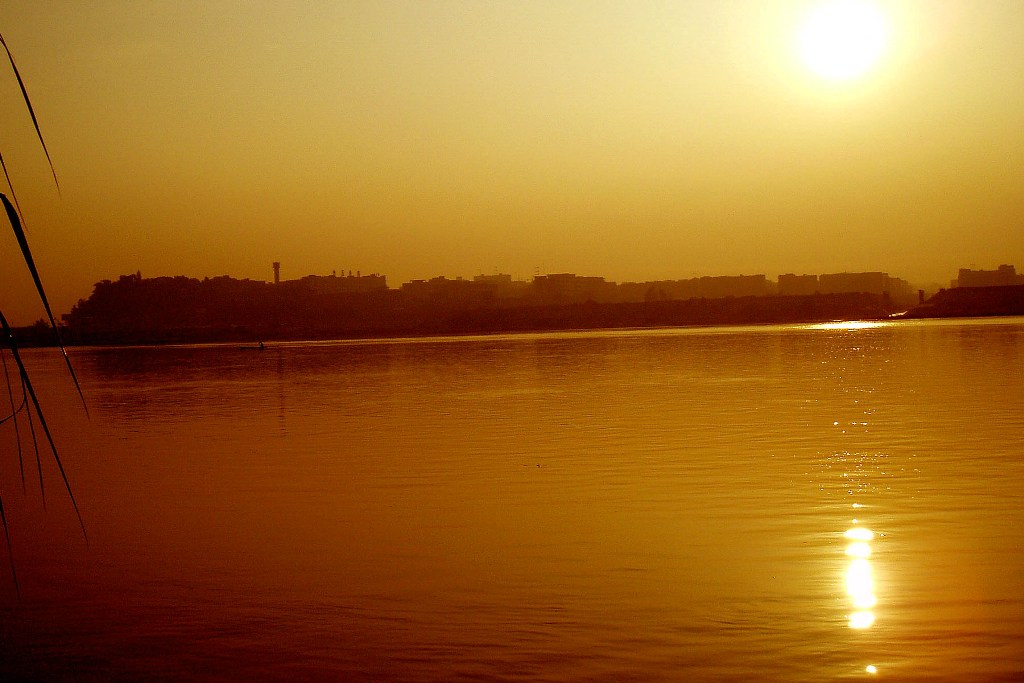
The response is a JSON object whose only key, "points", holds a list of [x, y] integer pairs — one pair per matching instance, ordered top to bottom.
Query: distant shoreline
{"points": [[971, 302], [499, 320], [384, 322]]}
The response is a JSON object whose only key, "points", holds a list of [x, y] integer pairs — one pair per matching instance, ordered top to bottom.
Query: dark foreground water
{"points": [[772, 503]]}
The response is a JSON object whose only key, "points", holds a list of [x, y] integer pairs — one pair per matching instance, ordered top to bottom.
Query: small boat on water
{"points": [[257, 347]]}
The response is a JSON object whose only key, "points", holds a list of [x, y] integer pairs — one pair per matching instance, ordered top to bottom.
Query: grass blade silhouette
{"points": [[31, 111], [14, 195], [19, 233], [13, 346], [14, 416], [32, 432], [35, 445], [10, 551]]}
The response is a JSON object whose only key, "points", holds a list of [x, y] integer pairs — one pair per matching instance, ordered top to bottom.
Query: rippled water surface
{"points": [[773, 503]]}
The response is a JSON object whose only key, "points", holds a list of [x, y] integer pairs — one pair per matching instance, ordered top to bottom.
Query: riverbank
{"points": [[965, 302], [388, 319]]}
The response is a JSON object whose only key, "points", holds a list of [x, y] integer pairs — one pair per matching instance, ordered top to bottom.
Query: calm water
{"points": [[772, 503]]}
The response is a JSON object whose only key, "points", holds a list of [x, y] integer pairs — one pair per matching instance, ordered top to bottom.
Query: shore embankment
{"points": [[969, 302], [357, 318]]}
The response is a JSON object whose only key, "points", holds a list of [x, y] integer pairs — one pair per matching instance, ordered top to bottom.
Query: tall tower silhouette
{"points": [[277, 273]]}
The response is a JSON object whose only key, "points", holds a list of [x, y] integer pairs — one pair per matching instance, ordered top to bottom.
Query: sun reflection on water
{"points": [[848, 325], [860, 582]]}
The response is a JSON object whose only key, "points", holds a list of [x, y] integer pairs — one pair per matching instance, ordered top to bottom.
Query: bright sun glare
{"points": [[843, 39]]}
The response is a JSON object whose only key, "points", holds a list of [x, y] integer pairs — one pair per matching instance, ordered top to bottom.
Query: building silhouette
{"points": [[1003, 276], [797, 285], [137, 310]]}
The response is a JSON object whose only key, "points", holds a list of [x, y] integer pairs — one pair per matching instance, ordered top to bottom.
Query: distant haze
{"points": [[631, 140]]}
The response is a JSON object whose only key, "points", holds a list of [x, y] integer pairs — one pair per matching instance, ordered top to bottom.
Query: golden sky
{"points": [[634, 140]]}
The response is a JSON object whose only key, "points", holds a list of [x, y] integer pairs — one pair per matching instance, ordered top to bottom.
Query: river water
{"points": [[779, 503]]}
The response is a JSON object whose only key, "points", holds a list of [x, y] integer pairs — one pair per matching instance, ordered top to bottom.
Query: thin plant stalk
{"points": [[31, 111], [10, 184], [14, 216], [19, 233], [12, 344], [14, 417], [35, 445], [10, 551]]}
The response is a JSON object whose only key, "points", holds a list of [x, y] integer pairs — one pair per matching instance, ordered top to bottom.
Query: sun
{"points": [[841, 40]]}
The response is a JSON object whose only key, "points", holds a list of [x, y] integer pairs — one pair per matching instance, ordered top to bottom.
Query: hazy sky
{"points": [[633, 140]]}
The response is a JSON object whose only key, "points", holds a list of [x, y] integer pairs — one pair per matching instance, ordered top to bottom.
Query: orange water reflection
{"points": [[345, 512]]}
